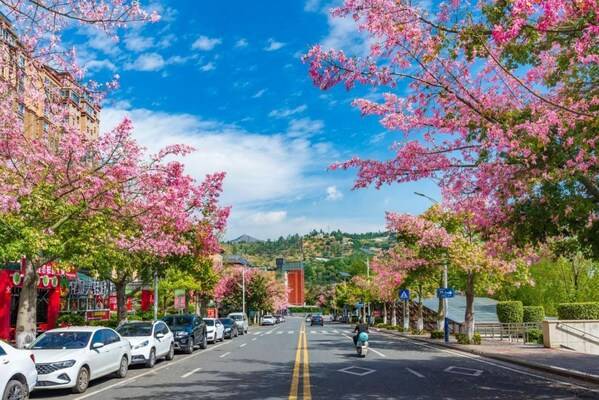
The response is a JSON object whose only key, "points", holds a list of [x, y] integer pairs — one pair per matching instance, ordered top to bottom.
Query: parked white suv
{"points": [[241, 319], [150, 341], [72, 357], [17, 372]]}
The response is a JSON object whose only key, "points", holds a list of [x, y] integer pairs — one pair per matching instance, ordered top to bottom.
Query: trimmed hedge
{"points": [[305, 309], [578, 310], [510, 311], [533, 314], [437, 335], [462, 338]]}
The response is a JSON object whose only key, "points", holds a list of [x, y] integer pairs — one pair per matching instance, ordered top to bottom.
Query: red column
{"points": [[5, 292], [53, 307]]}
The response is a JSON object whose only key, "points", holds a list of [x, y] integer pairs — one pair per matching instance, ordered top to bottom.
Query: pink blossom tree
{"points": [[498, 104]]}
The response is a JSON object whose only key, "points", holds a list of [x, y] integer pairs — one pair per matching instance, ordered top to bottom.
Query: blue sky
{"points": [[227, 78]]}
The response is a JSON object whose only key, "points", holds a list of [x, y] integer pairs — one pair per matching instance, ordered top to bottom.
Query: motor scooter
{"points": [[362, 344]]}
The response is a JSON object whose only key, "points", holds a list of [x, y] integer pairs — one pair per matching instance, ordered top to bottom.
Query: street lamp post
{"points": [[155, 295], [445, 320]]}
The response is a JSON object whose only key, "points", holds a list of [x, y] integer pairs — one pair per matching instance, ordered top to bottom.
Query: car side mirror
{"points": [[159, 335], [97, 345]]}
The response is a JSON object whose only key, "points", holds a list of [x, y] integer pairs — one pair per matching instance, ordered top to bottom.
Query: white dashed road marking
{"points": [[242, 344], [225, 354], [193, 371], [418, 374]]}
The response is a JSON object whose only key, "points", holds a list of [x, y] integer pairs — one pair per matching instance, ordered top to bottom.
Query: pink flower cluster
{"points": [[425, 233]]}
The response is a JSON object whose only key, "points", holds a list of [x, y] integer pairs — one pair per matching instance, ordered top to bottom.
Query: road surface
{"points": [[295, 361]]}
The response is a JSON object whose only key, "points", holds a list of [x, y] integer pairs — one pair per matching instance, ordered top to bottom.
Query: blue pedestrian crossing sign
{"points": [[404, 294]]}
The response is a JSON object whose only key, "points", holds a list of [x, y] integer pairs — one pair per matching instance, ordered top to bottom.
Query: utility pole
{"points": [[243, 289]]}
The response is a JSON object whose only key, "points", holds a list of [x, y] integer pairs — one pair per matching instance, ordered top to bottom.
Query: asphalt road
{"points": [[294, 361]]}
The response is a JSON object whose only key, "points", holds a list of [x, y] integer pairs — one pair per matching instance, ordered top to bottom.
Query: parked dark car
{"points": [[317, 320], [230, 328], [189, 331]]}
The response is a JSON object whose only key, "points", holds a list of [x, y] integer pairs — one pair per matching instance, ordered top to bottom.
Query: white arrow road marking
{"points": [[225, 354], [193, 371], [418, 374]]}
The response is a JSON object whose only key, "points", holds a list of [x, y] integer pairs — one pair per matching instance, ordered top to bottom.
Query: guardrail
{"points": [[514, 332], [578, 332]]}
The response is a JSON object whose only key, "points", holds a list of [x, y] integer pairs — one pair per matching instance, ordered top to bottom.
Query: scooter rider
{"points": [[360, 327]]}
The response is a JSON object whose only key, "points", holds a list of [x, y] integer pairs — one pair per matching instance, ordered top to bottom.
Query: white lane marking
{"points": [[335, 331], [279, 332], [290, 332], [312, 332], [324, 332], [256, 333], [254, 339], [243, 345], [377, 352], [224, 354], [481, 360], [156, 369], [193, 371], [463, 371], [418, 374]]}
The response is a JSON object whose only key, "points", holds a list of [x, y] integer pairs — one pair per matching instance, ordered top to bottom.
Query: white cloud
{"points": [[312, 5], [344, 35], [99, 40], [136, 42], [205, 43], [241, 43], [273, 45], [147, 62], [98, 65], [208, 67], [259, 93], [286, 112], [304, 127], [377, 138], [260, 168], [333, 194], [267, 218]]}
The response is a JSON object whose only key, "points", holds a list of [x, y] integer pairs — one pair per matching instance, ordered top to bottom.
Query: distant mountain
{"points": [[245, 239]]}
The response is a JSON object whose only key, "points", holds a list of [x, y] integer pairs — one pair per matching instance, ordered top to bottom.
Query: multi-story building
{"points": [[42, 94]]}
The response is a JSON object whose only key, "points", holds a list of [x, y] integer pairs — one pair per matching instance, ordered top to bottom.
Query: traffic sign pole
{"points": [[445, 321]]}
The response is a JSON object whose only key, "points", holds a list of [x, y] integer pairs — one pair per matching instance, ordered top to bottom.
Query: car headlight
{"points": [[227, 329], [182, 334], [142, 344], [63, 364]]}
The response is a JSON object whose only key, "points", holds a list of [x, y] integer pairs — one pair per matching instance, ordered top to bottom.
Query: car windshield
{"points": [[236, 317], [177, 320], [227, 321], [209, 322], [138, 329], [61, 340]]}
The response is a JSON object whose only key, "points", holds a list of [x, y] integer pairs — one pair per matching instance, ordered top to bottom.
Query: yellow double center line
{"points": [[301, 360]]}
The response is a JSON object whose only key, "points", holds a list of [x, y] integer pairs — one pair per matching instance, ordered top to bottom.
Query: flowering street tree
{"points": [[498, 103]]}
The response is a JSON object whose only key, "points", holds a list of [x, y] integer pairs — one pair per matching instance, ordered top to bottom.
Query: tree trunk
{"points": [[121, 300], [198, 308], [384, 312], [419, 312], [27, 313], [393, 314], [440, 314], [469, 315]]}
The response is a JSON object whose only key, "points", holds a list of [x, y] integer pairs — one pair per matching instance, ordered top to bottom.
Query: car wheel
{"points": [[246, 331], [204, 343], [190, 346], [171, 353], [152, 359], [123, 368], [82, 381], [15, 390]]}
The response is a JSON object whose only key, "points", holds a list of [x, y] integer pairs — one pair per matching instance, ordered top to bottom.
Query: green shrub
{"points": [[300, 310], [578, 310], [510, 311], [533, 314], [71, 319], [110, 323], [437, 335], [534, 336], [462, 338], [476, 339]]}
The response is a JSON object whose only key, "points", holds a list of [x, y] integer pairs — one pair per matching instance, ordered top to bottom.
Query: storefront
{"points": [[48, 297]]}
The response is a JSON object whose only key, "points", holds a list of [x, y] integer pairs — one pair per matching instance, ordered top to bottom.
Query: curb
{"points": [[540, 367]]}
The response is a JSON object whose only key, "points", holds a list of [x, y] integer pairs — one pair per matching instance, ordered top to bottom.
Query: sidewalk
{"points": [[557, 361]]}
